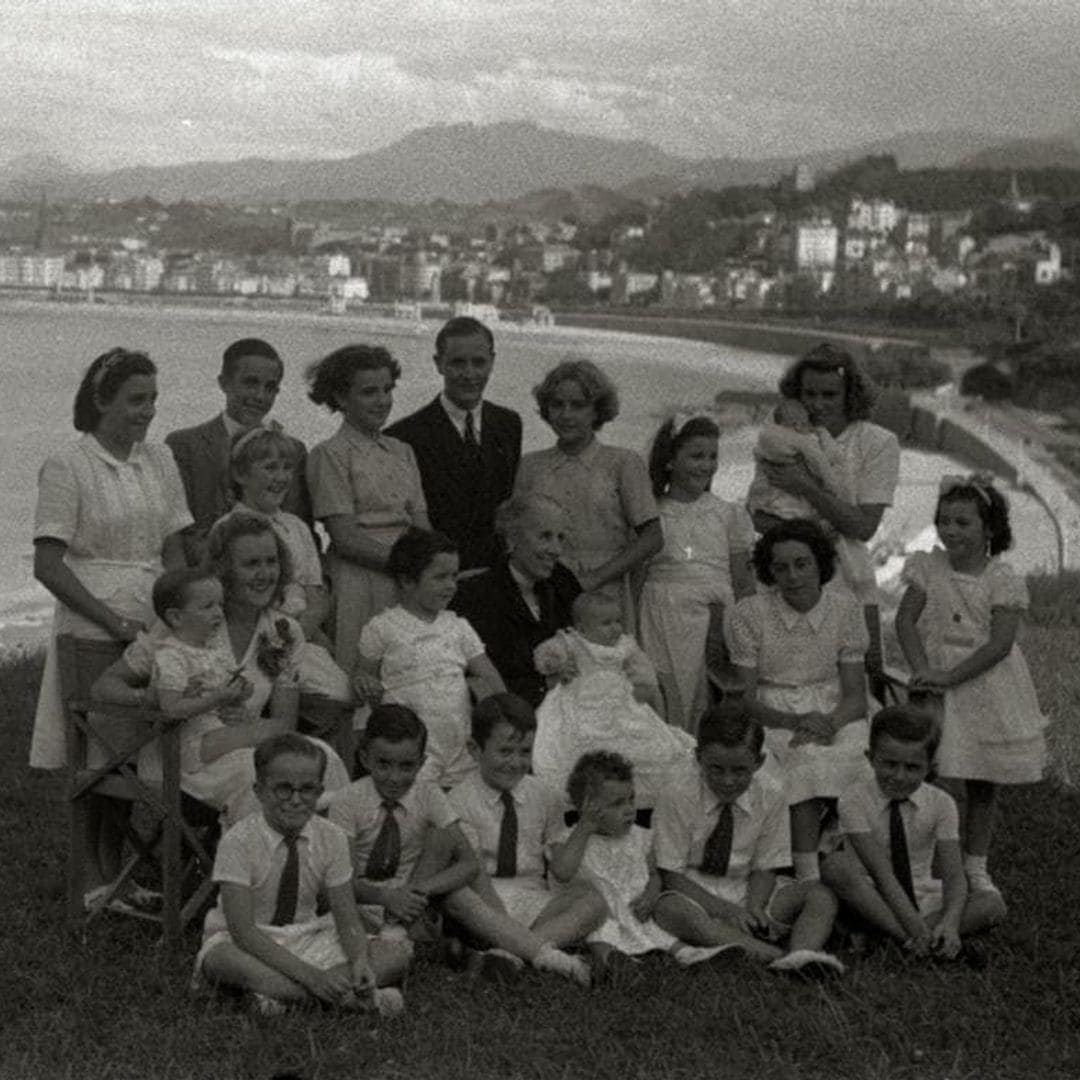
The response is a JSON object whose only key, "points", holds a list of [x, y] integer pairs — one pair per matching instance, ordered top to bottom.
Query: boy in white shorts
{"points": [[510, 817], [894, 825], [721, 833], [264, 935]]}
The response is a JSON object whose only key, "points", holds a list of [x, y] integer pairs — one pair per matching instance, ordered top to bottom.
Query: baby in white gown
{"points": [[603, 696]]}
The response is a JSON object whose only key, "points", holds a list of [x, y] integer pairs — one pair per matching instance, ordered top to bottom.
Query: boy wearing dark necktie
{"points": [[511, 818], [895, 825], [721, 833], [407, 847], [264, 935]]}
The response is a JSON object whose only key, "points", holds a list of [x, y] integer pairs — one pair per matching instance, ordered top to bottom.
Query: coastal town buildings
{"points": [[864, 251]]}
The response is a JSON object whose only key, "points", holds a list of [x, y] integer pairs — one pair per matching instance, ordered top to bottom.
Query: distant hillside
{"points": [[1027, 154], [460, 163], [473, 165]]}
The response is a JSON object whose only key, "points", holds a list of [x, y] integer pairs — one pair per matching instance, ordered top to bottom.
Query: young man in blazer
{"points": [[251, 373], [467, 449]]}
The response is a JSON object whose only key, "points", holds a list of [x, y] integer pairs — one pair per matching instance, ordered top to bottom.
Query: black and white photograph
{"points": [[540, 541]]}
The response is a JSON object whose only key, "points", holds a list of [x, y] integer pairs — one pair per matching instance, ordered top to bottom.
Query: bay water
{"points": [[46, 346]]}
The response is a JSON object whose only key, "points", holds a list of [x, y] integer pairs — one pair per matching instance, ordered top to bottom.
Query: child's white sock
{"points": [[806, 865], [978, 876], [548, 958]]}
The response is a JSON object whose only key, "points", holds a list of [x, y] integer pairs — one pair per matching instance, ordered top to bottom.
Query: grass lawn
{"points": [[110, 1006]]}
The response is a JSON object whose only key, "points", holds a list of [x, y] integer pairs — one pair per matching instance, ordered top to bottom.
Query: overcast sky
{"points": [[110, 82]]}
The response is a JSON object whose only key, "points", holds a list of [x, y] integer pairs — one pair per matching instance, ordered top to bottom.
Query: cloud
{"points": [[126, 81]]}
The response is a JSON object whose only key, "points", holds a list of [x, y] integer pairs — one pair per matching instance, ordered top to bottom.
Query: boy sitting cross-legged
{"points": [[511, 817], [894, 824], [721, 832], [407, 847], [264, 935]]}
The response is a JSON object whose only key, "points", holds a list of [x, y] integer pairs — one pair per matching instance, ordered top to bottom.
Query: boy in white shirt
{"points": [[511, 818], [895, 824], [721, 833], [264, 935]]}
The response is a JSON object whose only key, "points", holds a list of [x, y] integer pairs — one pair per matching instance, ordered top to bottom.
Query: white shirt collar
{"points": [[457, 415], [92, 446], [791, 618], [917, 798], [273, 837]]}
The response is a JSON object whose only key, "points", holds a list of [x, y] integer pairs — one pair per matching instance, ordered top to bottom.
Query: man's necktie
{"points": [[471, 441], [898, 849], [717, 853], [506, 856], [385, 857], [289, 887]]}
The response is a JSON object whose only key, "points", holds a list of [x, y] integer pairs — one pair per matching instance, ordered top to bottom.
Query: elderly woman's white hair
{"points": [[510, 514]]}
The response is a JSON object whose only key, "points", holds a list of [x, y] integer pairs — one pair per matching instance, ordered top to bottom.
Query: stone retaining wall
{"points": [[966, 431]]}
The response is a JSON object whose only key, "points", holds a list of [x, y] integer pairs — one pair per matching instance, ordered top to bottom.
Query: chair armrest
{"points": [[139, 713]]}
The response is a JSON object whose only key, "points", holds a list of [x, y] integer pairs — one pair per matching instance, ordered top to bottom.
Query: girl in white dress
{"points": [[703, 567], [957, 625], [800, 649], [419, 654], [604, 696], [614, 854]]}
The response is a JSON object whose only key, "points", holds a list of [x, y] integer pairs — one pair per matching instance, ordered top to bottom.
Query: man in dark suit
{"points": [[251, 373], [467, 449]]}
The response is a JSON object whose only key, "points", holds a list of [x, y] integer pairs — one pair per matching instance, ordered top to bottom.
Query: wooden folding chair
{"points": [[81, 661]]}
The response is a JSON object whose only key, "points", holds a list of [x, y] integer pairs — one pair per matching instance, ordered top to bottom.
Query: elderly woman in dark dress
{"points": [[526, 596]]}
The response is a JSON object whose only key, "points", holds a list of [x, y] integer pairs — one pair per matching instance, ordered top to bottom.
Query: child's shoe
{"points": [[689, 955], [560, 963], [809, 963], [497, 966], [616, 969], [389, 1001], [264, 1005]]}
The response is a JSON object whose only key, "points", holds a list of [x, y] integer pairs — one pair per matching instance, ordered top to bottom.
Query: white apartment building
{"points": [[878, 216], [815, 245]]}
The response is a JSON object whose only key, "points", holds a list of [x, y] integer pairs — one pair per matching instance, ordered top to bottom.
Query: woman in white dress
{"points": [[109, 514], [259, 642], [800, 650]]}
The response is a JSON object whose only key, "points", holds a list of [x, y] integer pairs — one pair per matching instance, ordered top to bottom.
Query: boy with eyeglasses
{"points": [[264, 936]]}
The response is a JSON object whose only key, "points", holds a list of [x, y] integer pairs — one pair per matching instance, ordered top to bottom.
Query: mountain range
{"points": [[470, 164]]}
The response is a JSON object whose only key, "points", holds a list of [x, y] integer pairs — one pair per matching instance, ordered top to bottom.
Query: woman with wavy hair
{"points": [[839, 396]]}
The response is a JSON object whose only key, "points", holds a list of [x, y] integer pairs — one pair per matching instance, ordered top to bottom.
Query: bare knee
{"points": [[820, 900]]}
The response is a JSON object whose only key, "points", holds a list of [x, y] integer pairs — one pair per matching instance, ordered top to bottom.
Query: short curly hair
{"points": [[331, 378], [102, 382], [598, 389], [860, 393], [993, 509], [230, 528], [800, 530], [415, 550], [907, 724], [592, 770]]}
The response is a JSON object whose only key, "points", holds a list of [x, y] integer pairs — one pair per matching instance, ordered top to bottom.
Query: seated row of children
{"points": [[496, 861]]}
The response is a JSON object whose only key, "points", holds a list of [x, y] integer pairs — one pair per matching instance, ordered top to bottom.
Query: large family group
{"points": [[601, 712]]}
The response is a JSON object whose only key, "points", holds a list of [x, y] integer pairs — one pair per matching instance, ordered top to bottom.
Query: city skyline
{"points": [[106, 83]]}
